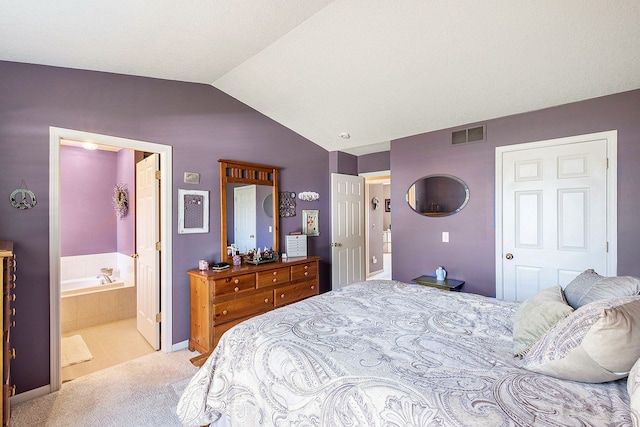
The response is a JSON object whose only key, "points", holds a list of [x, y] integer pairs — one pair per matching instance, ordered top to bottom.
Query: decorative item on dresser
{"points": [[8, 282], [222, 299]]}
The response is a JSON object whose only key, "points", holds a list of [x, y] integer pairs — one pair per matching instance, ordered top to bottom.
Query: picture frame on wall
{"points": [[387, 205], [310, 225]]}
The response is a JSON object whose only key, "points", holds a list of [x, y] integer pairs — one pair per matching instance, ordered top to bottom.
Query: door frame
{"points": [[165, 151], [612, 195]]}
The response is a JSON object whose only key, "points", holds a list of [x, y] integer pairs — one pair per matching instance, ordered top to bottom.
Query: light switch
{"points": [[445, 236]]}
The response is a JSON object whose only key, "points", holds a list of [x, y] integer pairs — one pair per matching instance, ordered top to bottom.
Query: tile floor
{"points": [[110, 344]]}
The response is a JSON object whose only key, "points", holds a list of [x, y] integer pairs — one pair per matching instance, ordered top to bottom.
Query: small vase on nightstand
{"points": [[441, 273]]}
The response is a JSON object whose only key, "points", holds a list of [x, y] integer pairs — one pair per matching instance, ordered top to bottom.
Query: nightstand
{"points": [[446, 284]]}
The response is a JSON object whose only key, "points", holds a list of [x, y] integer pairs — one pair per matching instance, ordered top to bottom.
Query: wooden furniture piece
{"points": [[234, 173], [8, 282], [446, 284], [222, 299]]}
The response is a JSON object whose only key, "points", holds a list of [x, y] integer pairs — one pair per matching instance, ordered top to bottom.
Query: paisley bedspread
{"points": [[385, 353]]}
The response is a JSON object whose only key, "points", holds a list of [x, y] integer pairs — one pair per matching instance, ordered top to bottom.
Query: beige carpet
{"points": [[74, 350], [141, 392]]}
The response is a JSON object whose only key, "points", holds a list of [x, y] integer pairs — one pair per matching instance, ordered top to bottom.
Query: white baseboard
{"points": [[180, 346], [31, 394]]}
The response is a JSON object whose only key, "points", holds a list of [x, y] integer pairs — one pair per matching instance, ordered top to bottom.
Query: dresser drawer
{"points": [[304, 271], [278, 276], [234, 284], [293, 293], [242, 307]]}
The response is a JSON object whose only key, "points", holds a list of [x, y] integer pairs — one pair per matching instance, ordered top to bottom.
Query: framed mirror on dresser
{"points": [[228, 293]]}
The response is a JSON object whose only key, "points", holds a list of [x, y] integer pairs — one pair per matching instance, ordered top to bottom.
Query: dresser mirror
{"points": [[438, 195], [248, 206]]}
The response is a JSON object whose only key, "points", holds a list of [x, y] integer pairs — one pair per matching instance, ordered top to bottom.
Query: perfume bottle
{"points": [[441, 273]]}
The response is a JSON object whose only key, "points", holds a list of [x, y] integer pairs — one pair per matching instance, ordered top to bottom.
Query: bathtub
{"points": [[88, 285]]}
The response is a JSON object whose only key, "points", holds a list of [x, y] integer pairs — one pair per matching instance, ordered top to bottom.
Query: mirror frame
{"points": [[235, 172], [439, 214]]}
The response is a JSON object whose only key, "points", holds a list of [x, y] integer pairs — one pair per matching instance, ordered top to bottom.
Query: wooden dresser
{"points": [[8, 282], [222, 299]]}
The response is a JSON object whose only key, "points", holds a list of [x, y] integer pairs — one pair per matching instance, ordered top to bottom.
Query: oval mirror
{"points": [[438, 195], [267, 205]]}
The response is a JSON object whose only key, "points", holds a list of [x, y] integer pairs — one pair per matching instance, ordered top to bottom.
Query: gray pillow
{"points": [[578, 287], [536, 316]]}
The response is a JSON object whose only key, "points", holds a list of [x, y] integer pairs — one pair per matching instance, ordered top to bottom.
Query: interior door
{"points": [[555, 214], [244, 217], [347, 230], [148, 261]]}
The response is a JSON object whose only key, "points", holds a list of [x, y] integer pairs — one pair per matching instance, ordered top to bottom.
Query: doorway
{"points": [[56, 136], [378, 225]]}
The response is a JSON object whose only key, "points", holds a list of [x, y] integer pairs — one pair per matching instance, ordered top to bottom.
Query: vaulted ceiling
{"points": [[377, 70]]}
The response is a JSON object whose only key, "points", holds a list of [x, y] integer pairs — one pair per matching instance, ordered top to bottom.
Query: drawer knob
{"points": [[306, 267], [275, 273], [306, 273], [274, 280], [236, 281], [313, 286], [236, 289], [281, 295], [12, 297], [266, 300], [12, 311], [224, 312], [12, 353], [12, 390]]}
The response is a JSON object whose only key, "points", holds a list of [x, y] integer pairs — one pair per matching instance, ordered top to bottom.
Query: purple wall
{"points": [[201, 123], [374, 162], [125, 174], [87, 218], [375, 227], [470, 255]]}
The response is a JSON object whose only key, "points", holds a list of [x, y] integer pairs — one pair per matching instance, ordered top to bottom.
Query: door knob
{"points": [[509, 256]]}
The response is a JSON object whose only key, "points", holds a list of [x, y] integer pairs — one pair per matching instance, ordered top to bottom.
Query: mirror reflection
{"points": [[438, 195], [249, 219]]}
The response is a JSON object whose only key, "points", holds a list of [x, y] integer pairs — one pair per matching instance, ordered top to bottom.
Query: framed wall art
{"points": [[310, 225]]}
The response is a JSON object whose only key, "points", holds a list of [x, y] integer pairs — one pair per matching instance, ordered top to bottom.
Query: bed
{"points": [[386, 353]]}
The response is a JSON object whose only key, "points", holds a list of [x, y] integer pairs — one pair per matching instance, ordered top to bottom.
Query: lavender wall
{"points": [[200, 122], [374, 162], [87, 218], [126, 227], [375, 227], [417, 246]]}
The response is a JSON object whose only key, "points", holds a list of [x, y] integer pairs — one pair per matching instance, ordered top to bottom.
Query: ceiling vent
{"points": [[473, 134]]}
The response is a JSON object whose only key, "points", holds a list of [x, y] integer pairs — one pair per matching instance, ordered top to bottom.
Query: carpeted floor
{"points": [[141, 392]]}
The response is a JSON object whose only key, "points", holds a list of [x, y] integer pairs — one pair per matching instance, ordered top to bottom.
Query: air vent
{"points": [[474, 134]]}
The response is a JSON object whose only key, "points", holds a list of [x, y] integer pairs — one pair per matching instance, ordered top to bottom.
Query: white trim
{"points": [[166, 162], [612, 195], [182, 345], [31, 394]]}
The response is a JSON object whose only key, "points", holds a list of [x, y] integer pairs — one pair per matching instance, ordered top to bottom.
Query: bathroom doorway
{"points": [[103, 318]]}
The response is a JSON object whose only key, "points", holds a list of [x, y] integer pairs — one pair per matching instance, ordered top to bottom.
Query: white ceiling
{"points": [[378, 70]]}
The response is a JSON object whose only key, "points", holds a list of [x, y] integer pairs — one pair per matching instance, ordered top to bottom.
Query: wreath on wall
{"points": [[121, 200]]}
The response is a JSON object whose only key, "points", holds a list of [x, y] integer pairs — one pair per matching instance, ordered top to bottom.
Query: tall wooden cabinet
{"points": [[8, 282], [222, 299]]}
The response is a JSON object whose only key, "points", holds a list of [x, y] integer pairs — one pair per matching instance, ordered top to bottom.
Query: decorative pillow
{"points": [[579, 286], [590, 286], [536, 316], [599, 342], [633, 387]]}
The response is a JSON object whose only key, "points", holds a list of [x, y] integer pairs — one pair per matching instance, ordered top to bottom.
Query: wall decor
{"points": [[308, 196], [22, 198], [121, 200], [375, 202], [287, 204], [387, 205], [193, 211], [310, 224]]}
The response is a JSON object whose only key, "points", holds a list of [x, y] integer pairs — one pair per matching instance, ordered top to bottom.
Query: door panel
{"points": [[554, 215], [244, 217], [347, 230], [148, 261]]}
